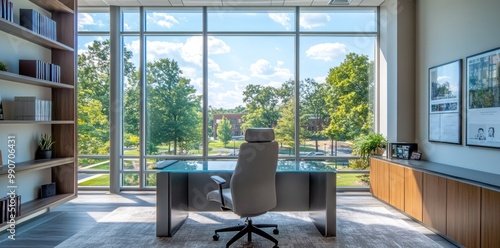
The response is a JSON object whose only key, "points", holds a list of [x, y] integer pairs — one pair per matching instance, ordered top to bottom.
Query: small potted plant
{"points": [[3, 66], [370, 144], [44, 150]]}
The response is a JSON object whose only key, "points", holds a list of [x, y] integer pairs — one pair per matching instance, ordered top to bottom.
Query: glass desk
{"points": [[300, 186]]}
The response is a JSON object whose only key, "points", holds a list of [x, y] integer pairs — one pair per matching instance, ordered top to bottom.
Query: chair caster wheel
{"points": [[276, 231], [216, 237], [276, 246]]}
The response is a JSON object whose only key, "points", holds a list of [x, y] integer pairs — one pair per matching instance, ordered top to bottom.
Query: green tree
{"points": [[93, 96], [348, 99], [313, 104], [262, 106], [173, 107], [285, 129], [224, 132]]}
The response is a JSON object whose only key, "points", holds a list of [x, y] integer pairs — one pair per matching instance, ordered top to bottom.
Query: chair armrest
{"points": [[218, 180]]}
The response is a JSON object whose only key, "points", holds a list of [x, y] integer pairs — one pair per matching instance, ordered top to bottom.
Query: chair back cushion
{"points": [[253, 184]]}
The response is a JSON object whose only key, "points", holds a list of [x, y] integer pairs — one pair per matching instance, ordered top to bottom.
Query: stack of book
{"points": [[7, 10], [38, 23], [39, 69], [28, 108], [10, 207]]}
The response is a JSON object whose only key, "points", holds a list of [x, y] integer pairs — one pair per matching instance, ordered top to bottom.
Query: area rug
{"points": [[356, 227]]}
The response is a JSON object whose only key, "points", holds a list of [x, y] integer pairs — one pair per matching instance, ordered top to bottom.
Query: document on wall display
{"points": [[483, 99], [445, 103]]}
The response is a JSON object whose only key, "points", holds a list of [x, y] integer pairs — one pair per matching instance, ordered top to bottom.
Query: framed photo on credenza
{"points": [[483, 99], [445, 104]]}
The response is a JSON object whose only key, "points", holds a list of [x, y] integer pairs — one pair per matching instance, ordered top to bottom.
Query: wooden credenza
{"points": [[465, 211]]}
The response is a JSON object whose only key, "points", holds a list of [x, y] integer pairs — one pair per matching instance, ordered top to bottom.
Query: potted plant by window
{"points": [[370, 144], [44, 150]]}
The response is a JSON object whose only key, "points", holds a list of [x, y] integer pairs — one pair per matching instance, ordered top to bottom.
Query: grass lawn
{"points": [[102, 180], [349, 180]]}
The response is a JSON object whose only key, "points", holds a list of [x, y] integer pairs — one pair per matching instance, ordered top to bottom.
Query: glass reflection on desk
{"points": [[283, 165]]}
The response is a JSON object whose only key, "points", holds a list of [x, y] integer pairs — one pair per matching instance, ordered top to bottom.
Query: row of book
{"points": [[7, 10], [38, 23], [39, 69], [32, 109], [10, 208]]}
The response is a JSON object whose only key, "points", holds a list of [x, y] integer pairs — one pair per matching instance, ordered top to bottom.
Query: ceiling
{"points": [[218, 3]]}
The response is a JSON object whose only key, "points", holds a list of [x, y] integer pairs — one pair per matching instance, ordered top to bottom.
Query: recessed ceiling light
{"points": [[340, 2]]}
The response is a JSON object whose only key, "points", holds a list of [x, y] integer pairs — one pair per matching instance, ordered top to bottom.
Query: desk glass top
{"points": [[283, 165]]}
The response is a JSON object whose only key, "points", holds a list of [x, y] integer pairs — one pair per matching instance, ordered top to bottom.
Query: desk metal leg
{"points": [[171, 202], [323, 202]]}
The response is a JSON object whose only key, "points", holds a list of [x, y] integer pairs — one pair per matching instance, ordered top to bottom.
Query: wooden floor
{"points": [[62, 222]]}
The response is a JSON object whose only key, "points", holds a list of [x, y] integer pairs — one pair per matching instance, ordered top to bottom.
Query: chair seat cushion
{"points": [[215, 196]]}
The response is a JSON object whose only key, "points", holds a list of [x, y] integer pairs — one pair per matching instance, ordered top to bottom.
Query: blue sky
{"points": [[235, 61]]}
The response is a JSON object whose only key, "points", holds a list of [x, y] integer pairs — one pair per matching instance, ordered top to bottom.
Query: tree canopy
{"points": [[348, 98], [224, 132]]}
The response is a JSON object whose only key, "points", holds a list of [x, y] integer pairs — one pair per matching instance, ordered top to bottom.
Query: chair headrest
{"points": [[259, 135]]}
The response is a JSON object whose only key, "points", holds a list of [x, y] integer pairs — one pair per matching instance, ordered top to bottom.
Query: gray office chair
{"points": [[252, 189]]}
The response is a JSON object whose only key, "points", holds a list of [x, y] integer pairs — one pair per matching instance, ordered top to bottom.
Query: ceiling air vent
{"points": [[340, 2]]}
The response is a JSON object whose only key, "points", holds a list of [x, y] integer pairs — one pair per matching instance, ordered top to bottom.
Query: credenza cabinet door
{"points": [[379, 179], [397, 186], [413, 193], [434, 202], [490, 218], [463, 223]]}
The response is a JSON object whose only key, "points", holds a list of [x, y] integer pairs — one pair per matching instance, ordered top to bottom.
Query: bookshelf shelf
{"points": [[53, 6], [26, 34], [9, 76], [36, 122], [34, 165], [31, 207]]}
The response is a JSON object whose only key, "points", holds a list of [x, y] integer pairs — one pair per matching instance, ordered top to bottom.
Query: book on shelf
{"points": [[38, 23], [40, 70], [32, 109], [10, 206]]}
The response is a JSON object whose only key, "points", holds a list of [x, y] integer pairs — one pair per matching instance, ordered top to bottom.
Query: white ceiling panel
{"points": [[122, 2], [174, 2], [202, 2], [246, 2], [277, 2], [298, 2], [371, 2], [92, 3], [155, 3]]}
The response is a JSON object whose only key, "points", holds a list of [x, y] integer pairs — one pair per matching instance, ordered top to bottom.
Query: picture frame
{"points": [[483, 99], [445, 103], [416, 156]]}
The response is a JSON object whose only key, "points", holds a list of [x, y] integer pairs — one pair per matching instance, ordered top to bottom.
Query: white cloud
{"points": [[282, 18], [85, 19], [163, 19], [313, 20], [216, 46], [327, 51], [261, 68], [264, 69], [232, 76], [320, 79]]}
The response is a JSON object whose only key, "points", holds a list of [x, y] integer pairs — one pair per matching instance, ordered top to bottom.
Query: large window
{"points": [[190, 88], [93, 97]]}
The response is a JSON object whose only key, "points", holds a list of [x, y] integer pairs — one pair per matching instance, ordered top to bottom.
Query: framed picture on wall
{"points": [[445, 83], [483, 99]]}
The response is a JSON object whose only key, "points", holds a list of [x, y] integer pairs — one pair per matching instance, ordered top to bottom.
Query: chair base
{"points": [[248, 228]]}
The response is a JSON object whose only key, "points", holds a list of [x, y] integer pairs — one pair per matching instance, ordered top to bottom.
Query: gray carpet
{"points": [[356, 227]]}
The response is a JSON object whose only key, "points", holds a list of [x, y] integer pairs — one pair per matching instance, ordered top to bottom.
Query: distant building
{"points": [[234, 119]]}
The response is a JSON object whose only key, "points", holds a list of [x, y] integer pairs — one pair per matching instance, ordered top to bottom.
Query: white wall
{"points": [[448, 30], [397, 70]]}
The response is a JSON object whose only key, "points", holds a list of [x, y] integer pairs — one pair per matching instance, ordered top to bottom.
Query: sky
{"points": [[235, 61]]}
